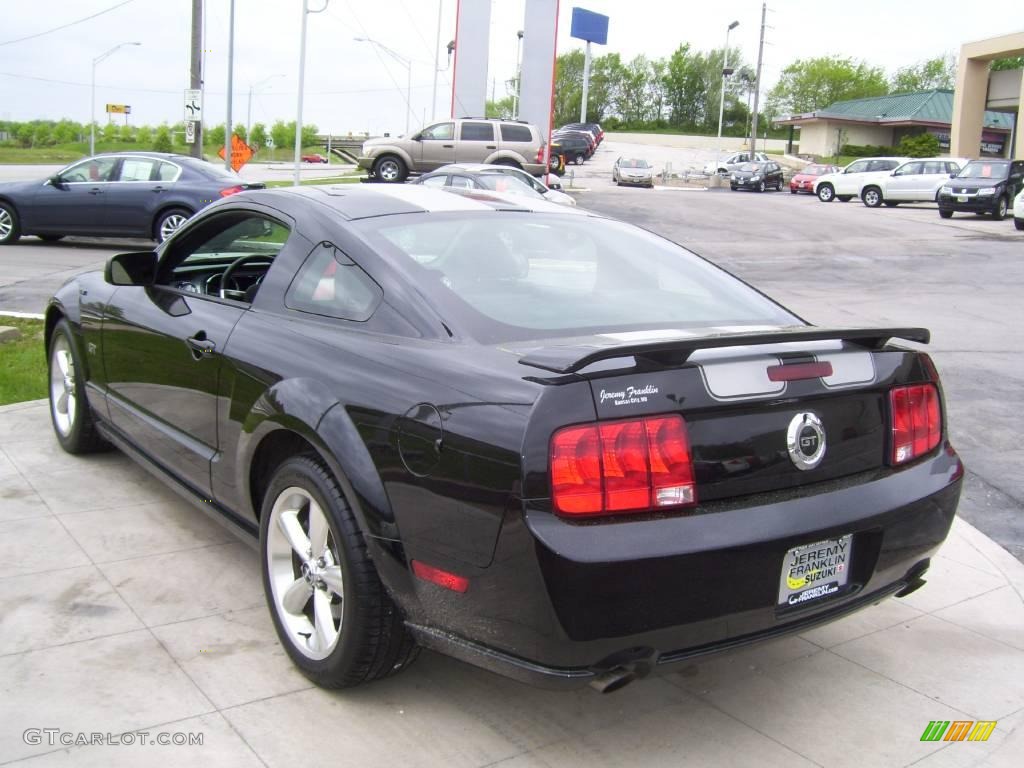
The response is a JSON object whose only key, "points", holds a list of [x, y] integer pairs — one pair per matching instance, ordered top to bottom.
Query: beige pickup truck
{"points": [[465, 140]]}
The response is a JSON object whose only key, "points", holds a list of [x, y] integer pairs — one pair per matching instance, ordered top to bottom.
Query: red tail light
{"points": [[540, 155], [228, 191], [916, 421], [622, 466], [445, 579]]}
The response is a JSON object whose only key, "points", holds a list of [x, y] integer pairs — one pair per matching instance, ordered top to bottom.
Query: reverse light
{"points": [[228, 191], [916, 421], [632, 465], [442, 578]]}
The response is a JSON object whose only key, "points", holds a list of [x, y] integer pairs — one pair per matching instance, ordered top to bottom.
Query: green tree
{"points": [[1017, 62], [939, 72], [810, 84], [502, 108], [239, 130], [66, 132], [109, 132], [25, 134], [126, 134], [309, 134], [43, 135], [281, 135], [144, 136], [215, 136], [258, 138], [162, 140], [921, 145]]}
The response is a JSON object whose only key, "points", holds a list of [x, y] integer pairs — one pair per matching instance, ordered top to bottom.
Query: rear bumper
{"points": [[535, 169], [563, 602]]}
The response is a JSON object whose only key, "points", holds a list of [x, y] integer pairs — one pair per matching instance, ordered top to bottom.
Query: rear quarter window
{"points": [[477, 132], [516, 133], [332, 285]]}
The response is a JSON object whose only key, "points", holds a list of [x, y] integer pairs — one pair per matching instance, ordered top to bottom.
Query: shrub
{"points": [[922, 145], [866, 150]]}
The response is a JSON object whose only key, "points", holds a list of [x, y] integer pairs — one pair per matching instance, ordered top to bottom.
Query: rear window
{"points": [[477, 132], [515, 133], [506, 277]]}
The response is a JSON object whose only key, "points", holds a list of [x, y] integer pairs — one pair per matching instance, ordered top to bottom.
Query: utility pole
{"points": [[437, 64], [196, 74], [519, 74], [757, 83], [302, 85], [229, 128]]}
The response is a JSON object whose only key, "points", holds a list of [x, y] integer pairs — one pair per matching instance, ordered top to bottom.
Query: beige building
{"points": [[980, 91], [886, 120]]}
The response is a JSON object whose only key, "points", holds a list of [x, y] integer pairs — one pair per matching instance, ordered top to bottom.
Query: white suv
{"points": [[733, 161], [914, 181], [848, 183], [1018, 211]]}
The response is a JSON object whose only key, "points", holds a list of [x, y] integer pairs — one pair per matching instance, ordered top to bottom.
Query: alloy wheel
{"points": [[388, 170], [872, 198], [6, 224], [170, 225], [63, 399], [305, 573]]}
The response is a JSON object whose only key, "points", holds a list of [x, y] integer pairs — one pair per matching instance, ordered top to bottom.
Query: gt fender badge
{"points": [[805, 441]]}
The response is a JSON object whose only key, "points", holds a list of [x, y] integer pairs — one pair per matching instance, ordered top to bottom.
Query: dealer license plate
{"points": [[961, 199], [812, 572]]}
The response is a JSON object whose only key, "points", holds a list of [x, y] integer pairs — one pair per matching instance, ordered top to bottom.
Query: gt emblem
{"points": [[805, 441]]}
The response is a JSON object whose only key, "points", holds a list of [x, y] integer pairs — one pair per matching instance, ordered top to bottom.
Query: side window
{"points": [[439, 132], [477, 132], [516, 133], [883, 165], [859, 167], [935, 167], [137, 169], [908, 169], [93, 170], [167, 172], [435, 181], [461, 182], [200, 255], [333, 285]]}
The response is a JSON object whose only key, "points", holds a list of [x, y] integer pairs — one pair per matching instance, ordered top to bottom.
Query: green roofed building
{"points": [[885, 120]]}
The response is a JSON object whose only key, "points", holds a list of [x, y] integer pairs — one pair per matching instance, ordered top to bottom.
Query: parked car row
{"points": [[576, 142], [496, 178], [987, 186]]}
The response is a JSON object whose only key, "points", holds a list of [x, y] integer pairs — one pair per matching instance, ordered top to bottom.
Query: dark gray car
{"points": [[137, 194]]}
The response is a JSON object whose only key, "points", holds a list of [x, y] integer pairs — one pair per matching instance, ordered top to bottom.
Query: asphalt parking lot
{"points": [[122, 609]]}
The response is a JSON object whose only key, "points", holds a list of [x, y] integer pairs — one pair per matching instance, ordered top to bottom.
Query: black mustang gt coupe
{"points": [[539, 440]]}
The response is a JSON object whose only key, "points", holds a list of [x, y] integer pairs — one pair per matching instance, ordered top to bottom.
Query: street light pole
{"points": [[437, 63], [519, 74], [725, 74], [408, 75], [302, 82], [92, 97], [248, 112], [228, 129]]}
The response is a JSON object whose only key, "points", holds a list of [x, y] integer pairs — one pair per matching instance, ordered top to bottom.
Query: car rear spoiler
{"points": [[573, 358]]}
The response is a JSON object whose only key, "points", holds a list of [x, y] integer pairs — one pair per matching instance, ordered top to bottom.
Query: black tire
{"points": [[578, 160], [390, 169], [732, 187], [761, 187], [792, 191], [826, 192], [872, 197], [844, 198], [890, 204], [999, 212], [945, 214], [169, 222], [1018, 223], [10, 224], [50, 238], [77, 434], [373, 641]]}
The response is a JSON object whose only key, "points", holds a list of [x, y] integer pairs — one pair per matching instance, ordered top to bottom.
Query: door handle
{"points": [[448, 146], [492, 146], [158, 189], [95, 191], [200, 345]]}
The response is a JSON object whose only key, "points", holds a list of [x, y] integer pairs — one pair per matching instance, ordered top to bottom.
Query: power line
{"points": [[65, 26]]}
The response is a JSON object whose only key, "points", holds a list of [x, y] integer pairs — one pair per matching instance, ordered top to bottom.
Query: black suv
{"points": [[982, 186]]}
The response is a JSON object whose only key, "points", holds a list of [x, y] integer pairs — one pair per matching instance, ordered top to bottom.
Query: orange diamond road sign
{"points": [[241, 153]]}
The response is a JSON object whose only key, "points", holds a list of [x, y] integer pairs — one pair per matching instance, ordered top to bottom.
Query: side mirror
{"points": [[416, 137], [953, 175], [56, 181], [555, 186], [137, 268]]}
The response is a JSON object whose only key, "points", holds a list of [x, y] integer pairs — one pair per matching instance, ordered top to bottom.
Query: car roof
{"points": [[140, 153], [474, 168], [363, 201]]}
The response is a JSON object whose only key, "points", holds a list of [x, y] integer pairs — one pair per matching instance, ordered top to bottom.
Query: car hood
{"points": [[380, 141], [635, 171], [748, 174], [805, 177], [19, 187], [555, 196]]}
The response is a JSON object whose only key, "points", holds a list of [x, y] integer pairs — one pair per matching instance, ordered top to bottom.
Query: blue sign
{"points": [[589, 26]]}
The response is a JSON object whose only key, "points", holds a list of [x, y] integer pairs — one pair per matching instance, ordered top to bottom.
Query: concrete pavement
{"points": [[124, 609]]}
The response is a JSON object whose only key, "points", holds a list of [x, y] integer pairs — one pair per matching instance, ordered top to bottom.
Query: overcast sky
{"points": [[351, 86]]}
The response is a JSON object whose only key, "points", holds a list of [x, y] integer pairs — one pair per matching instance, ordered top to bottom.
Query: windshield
{"points": [[633, 164], [750, 167], [984, 169], [817, 170], [506, 277]]}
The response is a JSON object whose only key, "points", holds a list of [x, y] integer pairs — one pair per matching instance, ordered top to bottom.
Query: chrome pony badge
{"points": [[805, 440]]}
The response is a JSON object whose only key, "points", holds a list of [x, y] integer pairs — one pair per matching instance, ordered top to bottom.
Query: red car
{"points": [[314, 159], [804, 181]]}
